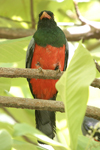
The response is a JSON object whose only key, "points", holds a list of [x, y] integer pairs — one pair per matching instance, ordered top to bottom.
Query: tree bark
{"points": [[71, 35], [36, 73], [28, 103]]}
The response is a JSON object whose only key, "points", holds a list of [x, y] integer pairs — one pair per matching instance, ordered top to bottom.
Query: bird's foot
{"points": [[40, 70], [58, 71]]}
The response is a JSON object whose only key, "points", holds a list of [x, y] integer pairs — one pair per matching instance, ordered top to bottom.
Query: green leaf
{"points": [[17, 10], [13, 50], [96, 53], [5, 84], [73, 89], [23, 129], [5, 140], [85, 143], [25, 146]]}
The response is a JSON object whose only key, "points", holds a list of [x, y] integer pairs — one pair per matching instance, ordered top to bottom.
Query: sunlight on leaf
{"points": [[13, 50], [5, 84], [73, 88], [24, 129], [5, 140], [20, 145]]}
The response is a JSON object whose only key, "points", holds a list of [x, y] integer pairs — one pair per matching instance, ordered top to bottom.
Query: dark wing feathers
{"points": [[29, 53], [66, 55]]}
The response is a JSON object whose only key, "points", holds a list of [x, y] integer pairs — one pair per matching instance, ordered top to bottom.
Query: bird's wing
{"points": [[29, 53], [66, 55], [29, 56]]}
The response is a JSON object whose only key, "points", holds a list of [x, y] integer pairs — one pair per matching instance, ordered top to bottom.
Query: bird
{"points": [[48, 49], [90, 127]]}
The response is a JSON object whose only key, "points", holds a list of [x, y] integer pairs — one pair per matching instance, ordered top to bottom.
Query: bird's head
{"points": [[46, 18]]}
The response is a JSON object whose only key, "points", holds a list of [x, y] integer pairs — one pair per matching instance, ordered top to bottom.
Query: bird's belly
{"points": [[48, 57]]}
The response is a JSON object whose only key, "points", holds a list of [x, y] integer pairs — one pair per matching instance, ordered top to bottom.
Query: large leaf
{"points": [[18, 10], [13, 50], [73, 89], [23, 129], [5, 140]]}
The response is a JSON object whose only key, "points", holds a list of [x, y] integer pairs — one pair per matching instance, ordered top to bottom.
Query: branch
{"points": [[32, 15], [83, 20], [89, 30], [12, 33], [72, 34], [97, 66], [29, 73], [37, 73], [28, 103], [51, 105], [93, 112]]}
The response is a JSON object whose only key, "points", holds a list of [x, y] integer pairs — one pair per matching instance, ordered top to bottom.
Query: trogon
{"points": [[47, 49], [89, 126]]}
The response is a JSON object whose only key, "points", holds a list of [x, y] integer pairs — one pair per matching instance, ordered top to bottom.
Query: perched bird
{"points": [[47, 49], [90, 127]]}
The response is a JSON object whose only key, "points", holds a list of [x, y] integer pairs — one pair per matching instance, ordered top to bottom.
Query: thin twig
{"points": [[32, 14], [83, 20], [97, 66], [28, 103], [7, 112], [24, 137]]}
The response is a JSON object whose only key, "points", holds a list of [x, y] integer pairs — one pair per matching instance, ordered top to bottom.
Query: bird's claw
{"points": [[40, 70], [58, 71]]}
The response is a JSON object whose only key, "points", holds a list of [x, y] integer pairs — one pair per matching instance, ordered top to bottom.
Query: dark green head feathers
{"points": [[48, 33]]}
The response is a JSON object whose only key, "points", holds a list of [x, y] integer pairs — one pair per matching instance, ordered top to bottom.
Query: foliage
{"points": [[80, 65], [76, 79], [71, 88]]}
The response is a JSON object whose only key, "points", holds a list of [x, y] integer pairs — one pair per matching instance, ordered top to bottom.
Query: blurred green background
{"points": [[16, 14]]}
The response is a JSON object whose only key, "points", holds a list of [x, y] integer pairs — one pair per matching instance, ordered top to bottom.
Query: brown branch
{"points": [[32, 15], [84, 20], [92, 32], [12, 33], [82, 33], [71, 35], [97, 66], [29, 73], [36, 73], [96, 83], [28, 103], [50, 105], [93, 112]]}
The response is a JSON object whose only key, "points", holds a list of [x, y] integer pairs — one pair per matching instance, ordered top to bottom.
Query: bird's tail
{"points": [[45, 122]]}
